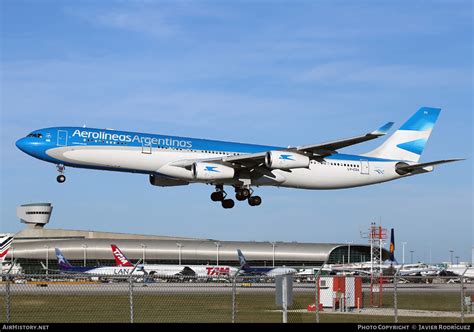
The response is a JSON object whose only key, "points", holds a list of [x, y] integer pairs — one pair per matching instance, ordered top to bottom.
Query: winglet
{"points": [[382, 130]]}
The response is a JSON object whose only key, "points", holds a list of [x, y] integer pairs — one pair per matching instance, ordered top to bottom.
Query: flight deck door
{"points": [[62, 137], [364, 167]]}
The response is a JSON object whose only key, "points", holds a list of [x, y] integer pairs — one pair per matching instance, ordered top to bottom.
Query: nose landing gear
{"points": [[61, 177]]}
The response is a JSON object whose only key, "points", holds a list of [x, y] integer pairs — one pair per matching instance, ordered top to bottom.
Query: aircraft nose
{"points": [[22, 144], [26, 145]]}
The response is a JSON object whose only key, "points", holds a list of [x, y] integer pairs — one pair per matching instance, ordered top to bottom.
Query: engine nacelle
{"points": [[285, 160], [209, 171], [180, 173], [161, 181]]}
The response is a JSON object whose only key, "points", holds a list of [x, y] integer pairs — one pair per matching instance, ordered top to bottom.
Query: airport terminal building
{"points": [[36, 244]]}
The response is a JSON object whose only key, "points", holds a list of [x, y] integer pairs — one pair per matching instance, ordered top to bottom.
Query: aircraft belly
{"points": [[109, 157], [336, 177]]}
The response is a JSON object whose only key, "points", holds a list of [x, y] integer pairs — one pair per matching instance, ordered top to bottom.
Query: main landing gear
{"points": [[61, 177], [241, 194], [220, 196]]}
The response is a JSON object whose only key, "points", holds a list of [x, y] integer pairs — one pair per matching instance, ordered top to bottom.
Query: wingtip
{"points": [[383, 130]]}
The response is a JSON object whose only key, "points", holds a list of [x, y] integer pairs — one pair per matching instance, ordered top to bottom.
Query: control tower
{"points": [[34, 215]]}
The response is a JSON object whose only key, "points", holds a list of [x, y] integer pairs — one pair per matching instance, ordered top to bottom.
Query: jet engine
{"points": [[285, 160], [209, 171]]}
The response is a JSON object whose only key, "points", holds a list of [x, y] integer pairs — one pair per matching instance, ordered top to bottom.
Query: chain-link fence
{"points": [[86, 298]]}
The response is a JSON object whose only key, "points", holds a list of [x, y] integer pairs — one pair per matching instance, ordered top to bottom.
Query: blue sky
{"points": [[268, 72]]}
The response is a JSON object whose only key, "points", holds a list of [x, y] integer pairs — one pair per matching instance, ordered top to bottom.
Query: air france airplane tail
{"points": [[408, 142], [5, 244], [120, 258], [62, 261]]}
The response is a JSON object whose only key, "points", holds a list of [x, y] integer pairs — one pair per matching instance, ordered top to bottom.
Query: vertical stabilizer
{"points": [[408, 142], [5, 244], [120, 258], [62, 261]]}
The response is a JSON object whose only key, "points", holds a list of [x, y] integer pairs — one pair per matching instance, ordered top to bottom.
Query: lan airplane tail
{"points": [[408, 142], [243, 262], [63, 263]]}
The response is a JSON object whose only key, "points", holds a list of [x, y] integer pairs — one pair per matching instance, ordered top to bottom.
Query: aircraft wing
{"points": [[328, 148], [257, 160], [416, 271]]}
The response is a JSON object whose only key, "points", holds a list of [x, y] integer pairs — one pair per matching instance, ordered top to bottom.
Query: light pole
{"points": [[84, 247], [217, 248], [451, 251], [143, 252], [179, 252], [349, 252], [403, 252], [411, 252], [11, 253], [273, 256], [47, 258], [457, 260]]}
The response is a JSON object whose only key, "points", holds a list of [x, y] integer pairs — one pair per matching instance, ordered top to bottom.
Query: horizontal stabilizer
{"points": [[403, 168]]}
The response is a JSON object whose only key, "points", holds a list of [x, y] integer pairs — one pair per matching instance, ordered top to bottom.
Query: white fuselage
{"points": [[332, 173]]}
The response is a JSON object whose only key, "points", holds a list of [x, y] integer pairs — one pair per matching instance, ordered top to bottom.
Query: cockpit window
{"points": [[35, 135]]}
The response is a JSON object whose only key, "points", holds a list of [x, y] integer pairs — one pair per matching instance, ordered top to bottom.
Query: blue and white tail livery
{"points": [[408, 142], [176, 161]]}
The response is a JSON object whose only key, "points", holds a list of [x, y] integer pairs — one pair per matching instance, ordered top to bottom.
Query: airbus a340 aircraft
{"points": [[176, 161]]}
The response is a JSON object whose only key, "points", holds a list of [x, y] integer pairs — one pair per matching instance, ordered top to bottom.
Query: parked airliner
{"points": [[176, 161], [66, 267], [246, 269], [168, 270]]}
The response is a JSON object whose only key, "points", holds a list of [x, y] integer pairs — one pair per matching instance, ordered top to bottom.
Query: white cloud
{"points": [[333, 73]]}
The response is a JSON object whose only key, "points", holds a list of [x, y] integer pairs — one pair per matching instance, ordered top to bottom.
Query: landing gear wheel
{"points": [[61, 178], [245, 192], [242, 194], [217, 196], [239, 196], [255, 201], [228, 203]]}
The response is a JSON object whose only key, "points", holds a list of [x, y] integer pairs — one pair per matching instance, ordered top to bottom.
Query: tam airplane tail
{"points": [[120, 258]]}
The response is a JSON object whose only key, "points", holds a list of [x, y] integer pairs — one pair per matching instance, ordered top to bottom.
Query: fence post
{"points": [[316, 280], [234, 290], [130, 293], [395, 293], [462, 295], [395, 297], [7, 298]]}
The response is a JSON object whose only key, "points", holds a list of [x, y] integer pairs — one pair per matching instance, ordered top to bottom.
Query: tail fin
{"points": [[408, 142], [5, 244], [392, 246], [120, 258], [242, 260], [62, 261]]}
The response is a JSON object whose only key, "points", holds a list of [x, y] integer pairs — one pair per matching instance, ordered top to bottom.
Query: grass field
{"points": [[206, 307]]}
